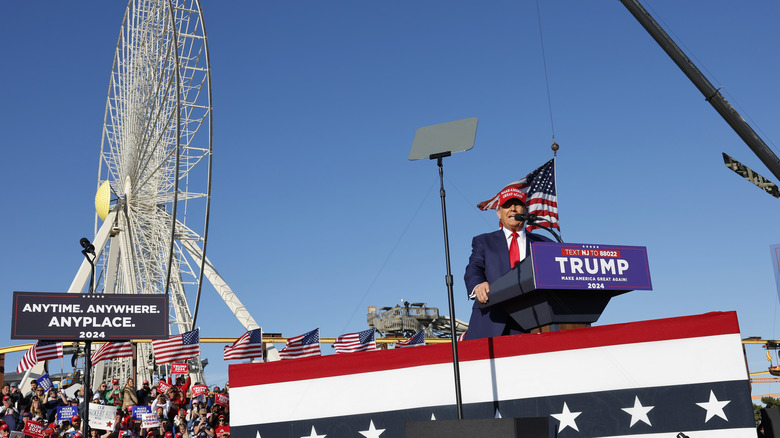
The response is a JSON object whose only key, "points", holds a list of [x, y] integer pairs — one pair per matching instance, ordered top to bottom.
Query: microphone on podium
{"points": [[530, 218]]}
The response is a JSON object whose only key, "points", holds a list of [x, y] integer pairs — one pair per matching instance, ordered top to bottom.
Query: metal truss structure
{"points": [[154, 174], [412, 317]]}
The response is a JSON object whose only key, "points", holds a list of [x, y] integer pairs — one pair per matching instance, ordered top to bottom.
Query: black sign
{"points": [[71, 316]]}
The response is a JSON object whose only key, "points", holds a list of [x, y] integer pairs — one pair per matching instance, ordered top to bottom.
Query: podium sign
{"points": [[589, 266], [568, 283]]}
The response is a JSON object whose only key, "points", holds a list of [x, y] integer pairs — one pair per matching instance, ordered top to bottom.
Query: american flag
{"points": [[542, 198], [414, 341], [352, 342], [305, 345], [248, 346], [177, 347], [112, 350], [40, 351]]}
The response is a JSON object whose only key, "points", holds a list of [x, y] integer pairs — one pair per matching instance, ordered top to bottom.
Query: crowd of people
{"points": [[179, 414]]}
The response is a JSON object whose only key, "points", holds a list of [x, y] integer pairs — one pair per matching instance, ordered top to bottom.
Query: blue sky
{"points": [[317, 212]]}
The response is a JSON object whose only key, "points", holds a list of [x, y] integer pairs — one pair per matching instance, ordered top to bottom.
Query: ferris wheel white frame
{"points": [[158, 169]]}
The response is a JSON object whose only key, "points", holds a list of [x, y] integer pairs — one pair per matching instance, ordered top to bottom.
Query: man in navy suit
{"points": [[490, 259]]}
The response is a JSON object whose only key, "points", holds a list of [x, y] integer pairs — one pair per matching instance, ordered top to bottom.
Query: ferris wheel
{"points": [[154, 173]]}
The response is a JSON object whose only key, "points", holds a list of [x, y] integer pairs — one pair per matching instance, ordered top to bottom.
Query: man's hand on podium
{"points": [[481, 292]]}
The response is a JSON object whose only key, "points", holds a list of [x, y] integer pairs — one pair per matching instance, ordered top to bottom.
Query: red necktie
{"points": [[514, 251]]}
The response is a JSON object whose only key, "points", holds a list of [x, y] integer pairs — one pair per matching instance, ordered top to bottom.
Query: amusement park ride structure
{"points": [[154, 175], [404, 321]]}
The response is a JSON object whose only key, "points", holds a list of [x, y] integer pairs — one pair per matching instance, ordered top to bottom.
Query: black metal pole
{"points": [[88, 249], [448, 278]]}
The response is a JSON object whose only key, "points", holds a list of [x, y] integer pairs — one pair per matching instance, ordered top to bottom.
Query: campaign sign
{"points": [[590, 266], [70, 316], [179, 368], [45, 382], [163, 387], [198, 390], [221, 399], [139, 411], [66, 413], [101, 416], [149, 421], [33, 428]]}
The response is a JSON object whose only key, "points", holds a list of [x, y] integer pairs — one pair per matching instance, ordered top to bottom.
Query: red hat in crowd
{"points": [[115, 382], [75, 418], [3, 426], [168, 435]]}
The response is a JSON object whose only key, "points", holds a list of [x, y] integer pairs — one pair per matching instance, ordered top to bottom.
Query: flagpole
{"points": [[555, 181]]}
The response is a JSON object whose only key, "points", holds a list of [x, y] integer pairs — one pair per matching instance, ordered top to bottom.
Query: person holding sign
{"points": [[492, 256], [181, 383], [102, 392], [114, 396], [51, 403], [162, 403]]}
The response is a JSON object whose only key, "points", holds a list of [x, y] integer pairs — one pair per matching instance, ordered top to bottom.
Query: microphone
{"points": [[530, 218]]}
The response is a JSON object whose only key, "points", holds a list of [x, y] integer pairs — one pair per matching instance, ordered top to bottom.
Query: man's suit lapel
{"points": [[501, 249]]}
